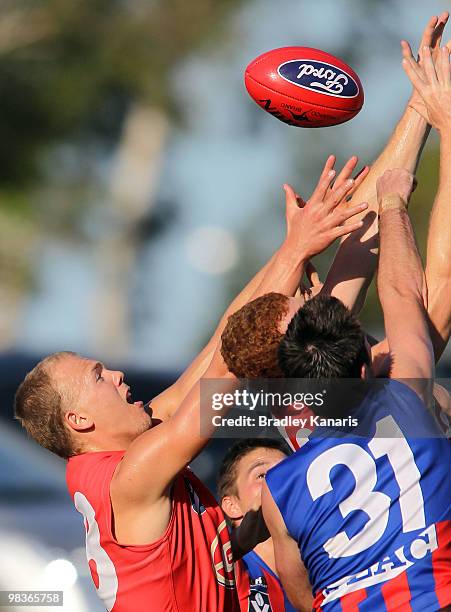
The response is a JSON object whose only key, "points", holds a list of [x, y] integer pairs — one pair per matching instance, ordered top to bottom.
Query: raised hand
{"points": [[432, 37], [432, 81], [345, 175], [315, 225]]}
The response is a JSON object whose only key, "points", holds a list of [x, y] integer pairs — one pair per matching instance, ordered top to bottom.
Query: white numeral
{"points": [[407, 474], [374, 503], [108, 583]]}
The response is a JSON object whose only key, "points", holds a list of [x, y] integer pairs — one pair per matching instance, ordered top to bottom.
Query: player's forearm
{"points": [[402, 150], [439, 237], [355, 262], [438, 263], [285, 272], [282, 273], [400, 274], [244, 296], [166, 404], [200, 413], [294, 578], [301, 600]]}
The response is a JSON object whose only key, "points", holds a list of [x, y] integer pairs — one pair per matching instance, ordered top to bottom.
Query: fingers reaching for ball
{"points": [[433, 32], [430, 74], [432, 82], [347, 171], [325, 181], [334, 188], [331, 189], [312, 229]]}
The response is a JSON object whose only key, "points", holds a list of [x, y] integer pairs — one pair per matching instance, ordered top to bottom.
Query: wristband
{"points": [[392, 201]]}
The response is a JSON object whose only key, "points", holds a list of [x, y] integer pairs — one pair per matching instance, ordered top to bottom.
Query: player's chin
{"points": [[145, 424], [143, 428]]}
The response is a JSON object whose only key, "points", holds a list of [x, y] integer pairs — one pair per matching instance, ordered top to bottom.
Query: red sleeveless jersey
{"points": [[189, 568]]}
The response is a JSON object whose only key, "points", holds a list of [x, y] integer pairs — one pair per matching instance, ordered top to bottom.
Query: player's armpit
{"points": [[135, 523], [290, 568]]}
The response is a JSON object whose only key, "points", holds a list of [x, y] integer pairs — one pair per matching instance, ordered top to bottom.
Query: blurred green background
{"points": [[140, 187]]}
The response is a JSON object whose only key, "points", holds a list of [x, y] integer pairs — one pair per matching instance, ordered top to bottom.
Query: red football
{"points": [[304, 87]]}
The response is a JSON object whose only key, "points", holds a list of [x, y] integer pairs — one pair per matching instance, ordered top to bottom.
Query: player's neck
{"points": [[95, 446], [265, 550]]}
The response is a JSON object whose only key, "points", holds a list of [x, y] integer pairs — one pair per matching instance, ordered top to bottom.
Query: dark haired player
{"points": [[241, 475], [375, 526]]}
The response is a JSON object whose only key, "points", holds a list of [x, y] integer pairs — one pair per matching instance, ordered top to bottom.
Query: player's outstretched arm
{"points": [[432, 81], [309, 230], [438, 261], [353, 268], [401, 284], [166, 403], [144, 477], [290, 568]]}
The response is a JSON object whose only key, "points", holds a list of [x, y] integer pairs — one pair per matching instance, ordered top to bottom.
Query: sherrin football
{"points": [[304, 87]]}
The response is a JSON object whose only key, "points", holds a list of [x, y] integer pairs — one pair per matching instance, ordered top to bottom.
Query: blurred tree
{"points": [[70, 69], [77, 78]]}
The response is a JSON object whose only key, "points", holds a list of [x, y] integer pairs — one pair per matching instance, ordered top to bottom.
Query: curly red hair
{"points": [[251, 337]]}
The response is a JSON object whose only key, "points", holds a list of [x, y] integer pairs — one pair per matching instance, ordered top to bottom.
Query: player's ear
{"points": [[78, 421], [231, 507]]}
